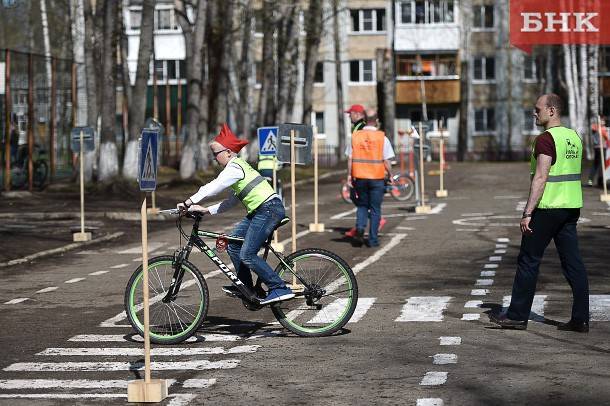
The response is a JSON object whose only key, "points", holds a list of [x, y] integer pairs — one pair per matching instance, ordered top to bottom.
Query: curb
{"points": [[59, 250]]}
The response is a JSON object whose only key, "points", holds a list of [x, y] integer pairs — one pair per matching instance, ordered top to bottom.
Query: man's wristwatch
{"points": [[526, 215]]}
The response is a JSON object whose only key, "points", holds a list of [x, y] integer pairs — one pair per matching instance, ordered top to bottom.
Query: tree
{"points": [[313, 35], [339, 83], [136, 95], [462, 145]]}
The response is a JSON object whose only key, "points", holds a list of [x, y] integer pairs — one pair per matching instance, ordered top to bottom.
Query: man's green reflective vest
{"points": [[253, 189]]}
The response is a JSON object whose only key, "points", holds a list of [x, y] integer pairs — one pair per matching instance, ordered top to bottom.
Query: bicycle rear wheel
{"points": [[403, 188], [345, 193], [326, 293], [171, 322]]}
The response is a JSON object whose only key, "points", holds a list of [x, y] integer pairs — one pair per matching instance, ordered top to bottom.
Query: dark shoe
{"points": [[359, 238], [372, 244], [504, 322], [578, 326]]}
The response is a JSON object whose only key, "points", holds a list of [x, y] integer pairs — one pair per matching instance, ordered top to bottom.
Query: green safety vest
{"points": [[358, 126], [267, 162], [253, 189], [563, 189]]}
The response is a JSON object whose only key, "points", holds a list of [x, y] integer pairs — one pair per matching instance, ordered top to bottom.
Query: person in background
{"points": [[597, 167]]}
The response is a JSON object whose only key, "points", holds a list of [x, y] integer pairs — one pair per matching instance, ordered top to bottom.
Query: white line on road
{"points": [[507, 197], [438, 208], [343, 214], [476, 214], [405, 228], [503, 239], [501, 245], [152, 246], [500, 252], [495, 258], [119, 266], [490, 266], [98, 273], [488, 273], [74, 280], [484, 282], [49, 289], [479, 292], [18, 300], [472, 304], [363, 306], [599, 306], [424, 308], [333, 310], [537, 311], [471, 316], [122, 338], [450, 340], [166, 352], [443, 359], [121, 366], [434, 378], [64, 383], [198, 383], [61, 395], [181, 399], [430, 402]]}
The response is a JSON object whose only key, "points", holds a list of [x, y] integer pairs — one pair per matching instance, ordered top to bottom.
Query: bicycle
{"points": [[20, 170], [401, 189], [325, 287]]}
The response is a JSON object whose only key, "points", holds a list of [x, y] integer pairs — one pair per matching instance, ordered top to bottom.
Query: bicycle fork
{"points": [[179, 257]]}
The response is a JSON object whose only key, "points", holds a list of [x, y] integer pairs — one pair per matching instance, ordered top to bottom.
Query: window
{"points": [[427, 11], [483, 17], [135, 19], [165, 19], [368, 20], [604, 59], [431, 65], [484, 68], [529, 68], [159, 70], [167, 70], [362, 70], [172, 72], [319, 74], [484, 120], [529, 121], [320, 122]]}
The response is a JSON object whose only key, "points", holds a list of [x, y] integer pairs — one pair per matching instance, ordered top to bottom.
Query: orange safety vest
{"points": [[367, 154]]}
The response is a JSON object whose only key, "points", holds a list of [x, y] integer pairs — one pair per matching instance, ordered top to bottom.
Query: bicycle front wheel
{"points": [[403, 188], [326, 293], [173, 321]]}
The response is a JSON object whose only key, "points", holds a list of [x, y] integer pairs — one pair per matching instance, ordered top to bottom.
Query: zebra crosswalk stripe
{"points": [[121, 366]]}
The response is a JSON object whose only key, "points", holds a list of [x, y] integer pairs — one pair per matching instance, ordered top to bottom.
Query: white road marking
{"points": [[507, 197], [521, 205], [438, 208], [343, 214], [476, 214], [408, 216], [405, 228], [470, 229], [503, 239], [501, 245], [152, 246], [500, 252], [495, 258], [119, 266], [490, 266], [98, 273], [488, 273], [74, 280], [484, 282], [49, 289], [479, 292], [18, 300], [471, 304], [363, 306], [599, 306], [424, 308], [332, 311], [537, 312], [471, 316], [121, 338], [450, 340], [163, 352], [443, 359], [121, 366], [434, 378], [65, 383], [198, 383], [61, 395], [181, 399], [430, 402]]}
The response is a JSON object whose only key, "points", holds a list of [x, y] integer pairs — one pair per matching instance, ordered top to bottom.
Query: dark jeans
{"points": [[596, 169], [368, 199], [558, 225], [255, 229]]}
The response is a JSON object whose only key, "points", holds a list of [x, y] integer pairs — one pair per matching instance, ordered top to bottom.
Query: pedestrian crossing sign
{"points": [[267, 140], [147, 162]]}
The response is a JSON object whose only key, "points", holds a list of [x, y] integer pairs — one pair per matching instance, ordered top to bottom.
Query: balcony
{"points": [[438, 91]]}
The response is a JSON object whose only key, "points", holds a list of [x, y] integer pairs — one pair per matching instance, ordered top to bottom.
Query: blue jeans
{"points": [[368, 203], [255, 229]]}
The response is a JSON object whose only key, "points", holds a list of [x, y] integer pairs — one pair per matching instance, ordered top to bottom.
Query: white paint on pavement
{"points": [[438, 208], [343, 214], [476, 214], [405, 228], [503, 239], [501, 245], [152, 246], [500, 252], [495, 259], [119, 266], [490, 266], [98, 273], [488, 273], [74, 280], [484, 282], [49, 289], [479, 292], [18, 300], [473, 304], [363, 306], [599, 306], [424, 308], [333, 310], [537, 311], [471, 316], [107, 338], [450, 340], [163, 352], [443, 359], [121, 366], [434, 378], [65, 383], [198, 383], [61, 395], [181, 399], [430, 402]]}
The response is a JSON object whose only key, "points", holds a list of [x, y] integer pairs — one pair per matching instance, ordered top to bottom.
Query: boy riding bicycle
{"points": [[264, 207]]}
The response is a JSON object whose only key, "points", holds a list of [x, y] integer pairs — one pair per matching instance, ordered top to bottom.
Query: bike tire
{"points": [[403, 188], [346, 194], [327, 314], [159, 334]]}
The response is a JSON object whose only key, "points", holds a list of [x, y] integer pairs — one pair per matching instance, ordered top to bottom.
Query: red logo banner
{"points": [[551, 22]]}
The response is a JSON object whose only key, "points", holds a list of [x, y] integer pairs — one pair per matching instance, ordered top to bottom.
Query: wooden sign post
{"points": [[441, 192], [603, 197], [293, 202], [422, 208], [315, 226], [82, 236], [276, 244]]}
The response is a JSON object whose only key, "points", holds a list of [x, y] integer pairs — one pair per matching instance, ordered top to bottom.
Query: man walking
{"points": [[369, 156], [551, 213]]}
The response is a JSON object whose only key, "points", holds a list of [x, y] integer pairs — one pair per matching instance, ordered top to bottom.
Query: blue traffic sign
{"points": [[88, 139], [267, 140], [147, 164]]}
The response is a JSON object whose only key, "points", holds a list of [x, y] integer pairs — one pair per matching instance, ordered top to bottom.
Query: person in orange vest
{"points": [[369, 156], [597, 167]]}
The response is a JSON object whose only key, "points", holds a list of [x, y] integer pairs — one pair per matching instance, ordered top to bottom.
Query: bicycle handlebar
{"points": [[177, 212]]}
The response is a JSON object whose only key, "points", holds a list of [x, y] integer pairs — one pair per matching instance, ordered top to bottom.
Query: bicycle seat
{"points": [[282, 222]]}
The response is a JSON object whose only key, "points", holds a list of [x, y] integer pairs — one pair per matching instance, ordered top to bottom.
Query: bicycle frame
{"points": [[195, 240]]}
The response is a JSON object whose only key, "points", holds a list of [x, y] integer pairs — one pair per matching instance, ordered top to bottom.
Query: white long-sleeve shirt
{"points": [[231, 174]]}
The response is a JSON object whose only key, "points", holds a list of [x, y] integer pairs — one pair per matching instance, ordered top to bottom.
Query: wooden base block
{"points": [[434, 172], [441, 193], [604, 198], [423, 209], [152, 210], [316, 227], [81, 237], [278, 246], [296, 288], [141, 391]]}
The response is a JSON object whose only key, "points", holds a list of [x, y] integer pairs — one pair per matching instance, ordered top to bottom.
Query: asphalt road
{"points": [[422, 335]]}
